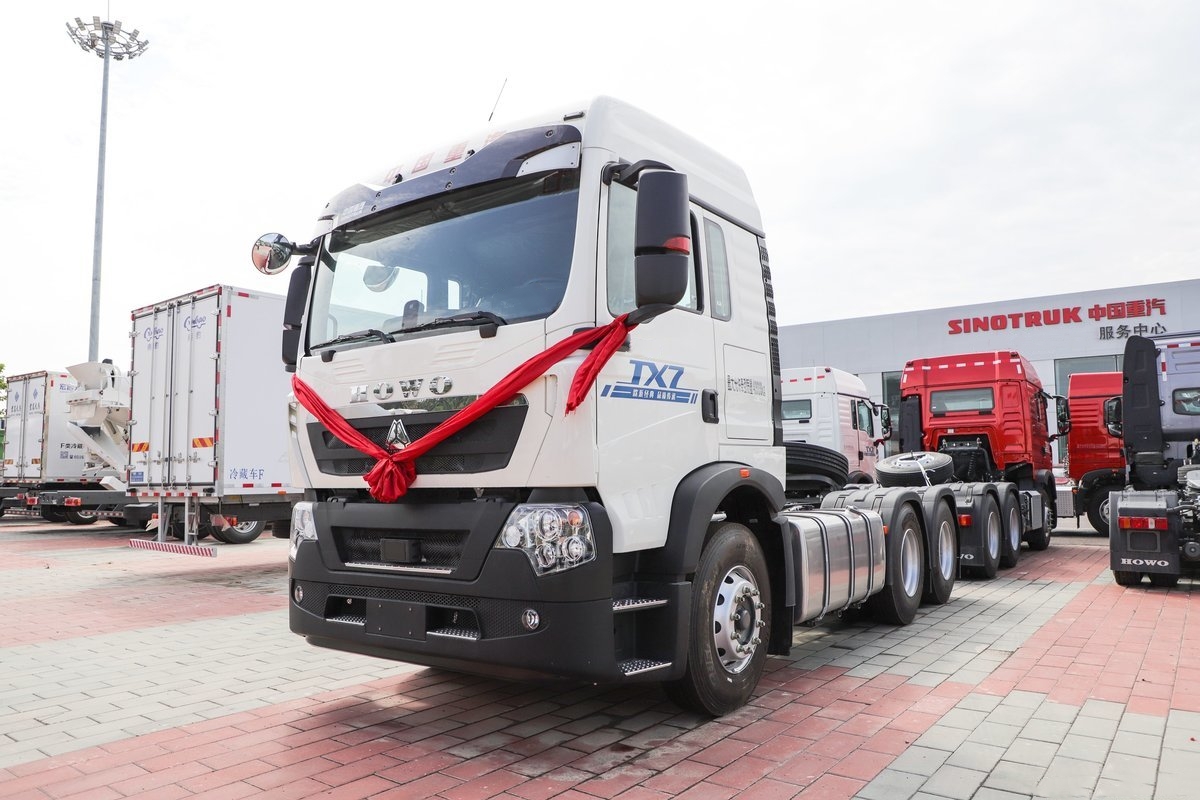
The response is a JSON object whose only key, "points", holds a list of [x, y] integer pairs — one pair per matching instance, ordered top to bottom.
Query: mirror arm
{"points": [[627, 174], [647, 313]]}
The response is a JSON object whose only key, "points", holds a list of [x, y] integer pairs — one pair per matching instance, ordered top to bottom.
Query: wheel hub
{"points": [[737, 619]]}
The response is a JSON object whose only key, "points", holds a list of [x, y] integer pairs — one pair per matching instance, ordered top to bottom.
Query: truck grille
{"points": [[485, 445], [439, 550]]}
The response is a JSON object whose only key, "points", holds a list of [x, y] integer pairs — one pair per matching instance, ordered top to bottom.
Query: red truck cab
{"points": [[1095, 460]]}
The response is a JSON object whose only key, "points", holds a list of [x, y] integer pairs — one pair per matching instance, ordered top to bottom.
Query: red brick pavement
{"points": [[816, 733]]}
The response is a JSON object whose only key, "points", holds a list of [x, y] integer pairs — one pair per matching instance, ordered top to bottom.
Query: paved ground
{"points": [[127, 673]]}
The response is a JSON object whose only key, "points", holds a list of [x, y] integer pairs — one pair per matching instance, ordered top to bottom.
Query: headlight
{"points": [[304, 527], [553, 537]]}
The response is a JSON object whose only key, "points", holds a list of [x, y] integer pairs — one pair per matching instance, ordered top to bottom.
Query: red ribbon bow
{"points": [[395, 470]]}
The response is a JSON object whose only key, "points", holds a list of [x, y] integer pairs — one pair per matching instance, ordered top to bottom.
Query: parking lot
{"points": [[129, 673]]}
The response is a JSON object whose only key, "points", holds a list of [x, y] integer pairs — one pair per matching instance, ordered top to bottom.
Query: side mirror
{"points": [[662, 239], [271, 253], [293, 312], [1062, 414], [1112, 417], [885, 424]]}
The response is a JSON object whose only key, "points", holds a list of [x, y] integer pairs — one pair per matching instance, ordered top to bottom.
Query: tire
{"points": [[807, 458], [905, 469], [1097, 511], [54, 515], [1010, 515], [80, 517], [242, 533], [993, 535], [1040, 540], [1125, 578], [731, 580], [939, 581], [1163, 581], [900, 597]]}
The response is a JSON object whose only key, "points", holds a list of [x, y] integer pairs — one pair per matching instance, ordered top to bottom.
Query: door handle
{"points": [[708, 406]]}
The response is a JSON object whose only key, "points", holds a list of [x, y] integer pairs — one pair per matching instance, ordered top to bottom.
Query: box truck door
{"points": [[194, 395], [23, 442], [149, 447]]}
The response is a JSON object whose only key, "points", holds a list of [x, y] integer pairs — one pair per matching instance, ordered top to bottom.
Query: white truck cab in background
{"points": [[831, 408]]}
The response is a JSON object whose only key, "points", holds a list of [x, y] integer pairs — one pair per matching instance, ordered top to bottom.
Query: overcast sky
{"points": [[905, 155]]}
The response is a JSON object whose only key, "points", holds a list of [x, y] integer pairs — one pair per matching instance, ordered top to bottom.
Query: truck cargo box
{"points": [[207, 393], [41, 446]]}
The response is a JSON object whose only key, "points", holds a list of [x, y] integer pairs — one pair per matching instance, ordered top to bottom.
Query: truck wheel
{"points": [[905, 469], [1097, 511], [1010, 513], [54, 515], [80, 517], [993, 530], [242, 533], [1040, 540], [944, 558], [1126, 578], [1163, 581], [901, 595], [731, 612]]}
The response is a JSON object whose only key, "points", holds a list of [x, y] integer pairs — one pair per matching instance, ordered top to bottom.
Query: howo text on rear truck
{"points": [[552, 352], [978, 420], [1154, 527]]}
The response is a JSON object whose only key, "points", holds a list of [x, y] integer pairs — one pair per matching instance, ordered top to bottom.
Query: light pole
{"points": [[108, 41]]}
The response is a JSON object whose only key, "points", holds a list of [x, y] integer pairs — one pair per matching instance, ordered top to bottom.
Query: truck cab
{"points": [[831, 408], [1095, 461]]}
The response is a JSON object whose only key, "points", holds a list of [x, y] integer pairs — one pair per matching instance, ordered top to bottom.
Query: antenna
{"points": [[497, 103]]}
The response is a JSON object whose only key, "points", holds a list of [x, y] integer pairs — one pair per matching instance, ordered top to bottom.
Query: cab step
{"points": [[636, 604], [636, 666]]}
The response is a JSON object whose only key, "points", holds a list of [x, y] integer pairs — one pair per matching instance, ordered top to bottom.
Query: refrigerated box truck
{"points": [[207, 440]]}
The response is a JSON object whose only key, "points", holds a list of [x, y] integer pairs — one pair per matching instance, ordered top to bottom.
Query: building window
{"points": [[1064, 368]]}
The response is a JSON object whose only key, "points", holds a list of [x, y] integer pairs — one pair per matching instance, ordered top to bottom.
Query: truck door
{"points": [[150, 379], [194, 391], [650, 423], [24, 434]]}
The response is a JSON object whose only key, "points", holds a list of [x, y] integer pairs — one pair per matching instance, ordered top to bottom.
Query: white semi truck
{"points": [[590, 291]]}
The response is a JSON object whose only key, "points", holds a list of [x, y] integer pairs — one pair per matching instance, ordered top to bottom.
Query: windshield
{"points": [[501, 249], [950, 400]]}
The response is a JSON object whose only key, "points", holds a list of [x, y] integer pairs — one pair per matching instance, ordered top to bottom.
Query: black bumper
{"points": [[487, 611]]}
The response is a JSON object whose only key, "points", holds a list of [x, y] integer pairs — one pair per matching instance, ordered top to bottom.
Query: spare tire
{"points": [[812, 459], [910, 469]]}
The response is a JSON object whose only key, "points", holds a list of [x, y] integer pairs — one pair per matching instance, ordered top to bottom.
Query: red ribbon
{"points": [[395, 470]]}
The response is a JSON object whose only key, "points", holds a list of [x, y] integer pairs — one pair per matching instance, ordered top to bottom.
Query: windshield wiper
{"points": [[487, 319], [369, 333]]}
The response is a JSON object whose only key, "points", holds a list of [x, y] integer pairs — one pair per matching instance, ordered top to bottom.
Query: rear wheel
{"points": [[1097, 511], [1010, 512], [54, 515], [80, 517], [992, 527], [241, 533], [944, 558], [1126, 578], [1164, 581], [901, 595], [731, 612]]}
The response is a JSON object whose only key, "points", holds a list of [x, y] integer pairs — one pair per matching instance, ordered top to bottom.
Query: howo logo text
{"points": [[386, 390], [1144, 562]]}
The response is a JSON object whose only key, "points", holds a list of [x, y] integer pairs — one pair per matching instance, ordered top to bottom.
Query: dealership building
{"points": [[1059, 334]]}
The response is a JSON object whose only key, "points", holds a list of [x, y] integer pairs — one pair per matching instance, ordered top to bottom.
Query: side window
{"points": [[622, 218], [718, 270], [1186, 401], [865, 422]]}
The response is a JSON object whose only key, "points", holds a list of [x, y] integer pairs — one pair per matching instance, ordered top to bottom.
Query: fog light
{"points": [[298, 594], [531, 619]]}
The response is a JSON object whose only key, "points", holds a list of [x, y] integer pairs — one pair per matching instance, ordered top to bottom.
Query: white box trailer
{"points": [[206, 438], [41, 446]]}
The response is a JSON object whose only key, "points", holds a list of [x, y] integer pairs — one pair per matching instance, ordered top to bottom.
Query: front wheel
{"points": [[1097, 511], [901, 595], [731, 613]]}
